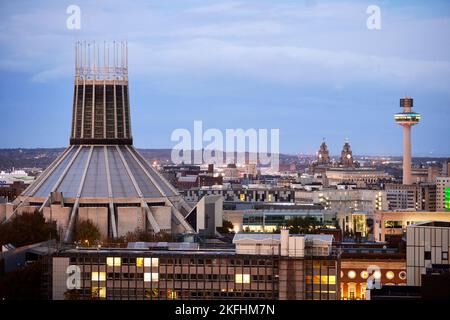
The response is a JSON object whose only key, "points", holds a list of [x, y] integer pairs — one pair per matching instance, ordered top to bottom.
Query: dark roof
{"points": [[442, 224]]}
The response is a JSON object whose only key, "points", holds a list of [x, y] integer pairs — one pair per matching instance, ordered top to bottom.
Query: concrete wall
{"points": [[2, 212], [58, 214], [98, 216], [163, 216], [129, 219], [59, 277], [291, 279]]}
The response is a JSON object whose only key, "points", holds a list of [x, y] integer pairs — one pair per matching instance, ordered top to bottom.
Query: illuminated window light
{"points": [[113, 261], [390, 275], [98, 276], [151, 277], [242, 278], [98, 292]]}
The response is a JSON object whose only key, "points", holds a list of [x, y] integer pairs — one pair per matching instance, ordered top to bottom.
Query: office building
{"points": [[443, 193], [421, 197], [394, 223], [428, 245], [262, 266], [387, 266]]}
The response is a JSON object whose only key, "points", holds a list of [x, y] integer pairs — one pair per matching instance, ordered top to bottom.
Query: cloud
{"points": [[216, 8], [313, 43], [286, 65], [52, 74]]}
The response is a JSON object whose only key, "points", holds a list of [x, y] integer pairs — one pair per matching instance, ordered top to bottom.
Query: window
{"points": [[427, 255], [444, 255], [113, 262], [147, 262], [352, 274], [364, 274], [390, 275], [402, 275], [98, 276], [151, 277], [242, 278], [321, 279], [352, 291], [363, 291], [98, 292]]}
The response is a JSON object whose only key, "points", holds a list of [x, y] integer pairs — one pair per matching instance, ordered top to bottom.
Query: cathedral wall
{"points": [[59, 214], [98, 216], [163, 216], [129, 219]]}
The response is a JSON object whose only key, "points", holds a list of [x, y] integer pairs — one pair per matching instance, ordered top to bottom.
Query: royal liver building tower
{"points": [[101, 176]]}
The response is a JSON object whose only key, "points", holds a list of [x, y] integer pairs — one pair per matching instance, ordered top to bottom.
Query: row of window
{"points": [[155, 262], [376, 274], [147, 276], [155, 277], [101, 292]]}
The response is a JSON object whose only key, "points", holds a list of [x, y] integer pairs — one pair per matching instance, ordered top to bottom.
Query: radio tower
{"points": [[407, 119]]}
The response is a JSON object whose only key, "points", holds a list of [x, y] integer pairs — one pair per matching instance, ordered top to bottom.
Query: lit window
{"points": [[242, 197], [114, 261], [147, 262], [342, 274], [352, 274], [364, 274], [390, 275], [402, 275], [98, 276], [151, 277], [242, 278], [321, 279], [98, 292]]}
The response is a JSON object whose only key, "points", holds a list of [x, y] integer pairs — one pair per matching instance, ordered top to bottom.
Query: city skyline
{"points": [[193, 61]]}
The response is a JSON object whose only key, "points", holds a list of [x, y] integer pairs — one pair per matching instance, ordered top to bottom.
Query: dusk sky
{"points": [[309, 68]]}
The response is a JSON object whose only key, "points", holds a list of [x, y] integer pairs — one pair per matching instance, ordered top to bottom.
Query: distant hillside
{"points": [[41, 157]]}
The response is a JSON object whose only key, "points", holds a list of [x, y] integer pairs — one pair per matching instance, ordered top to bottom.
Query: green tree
{"points": [[302, 225], [227, 227], [27, 228], [86, 232], [141, 236], [23, 283]]}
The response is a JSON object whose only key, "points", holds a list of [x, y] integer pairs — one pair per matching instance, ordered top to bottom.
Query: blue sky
{"points": [[310, 68]]}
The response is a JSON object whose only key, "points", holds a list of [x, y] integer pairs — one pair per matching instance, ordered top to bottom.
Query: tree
{"points": [[302, 225], [227, 227], [27, 228], [86, 232], [141, 236], [23, 283]]}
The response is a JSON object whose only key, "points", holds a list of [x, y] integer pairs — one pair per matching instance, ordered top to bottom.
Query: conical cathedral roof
{"points": [[101, 167]]}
